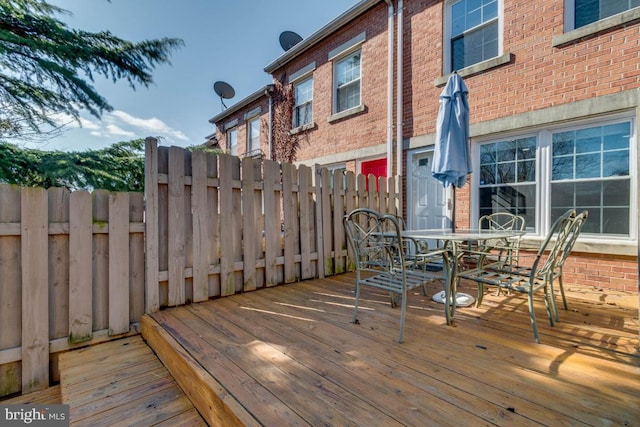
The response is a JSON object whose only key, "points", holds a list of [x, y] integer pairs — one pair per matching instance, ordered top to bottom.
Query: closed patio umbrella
{"points": [[451, 160]]}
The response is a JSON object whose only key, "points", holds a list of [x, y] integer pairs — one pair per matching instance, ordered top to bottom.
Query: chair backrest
{"points": [[501, 221], [572, 237], [375, 240], [555, 244]]}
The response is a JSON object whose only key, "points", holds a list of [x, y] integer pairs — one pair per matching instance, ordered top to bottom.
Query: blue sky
{"points": [[227, 40]]}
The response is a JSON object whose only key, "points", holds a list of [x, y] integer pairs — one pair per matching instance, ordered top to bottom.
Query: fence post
{"points": [[152, 265]]}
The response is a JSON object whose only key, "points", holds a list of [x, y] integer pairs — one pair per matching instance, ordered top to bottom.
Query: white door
{"points": [[428, 204]]}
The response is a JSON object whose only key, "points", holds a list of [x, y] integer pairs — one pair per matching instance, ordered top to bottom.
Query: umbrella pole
{"points": [[453, 209]]}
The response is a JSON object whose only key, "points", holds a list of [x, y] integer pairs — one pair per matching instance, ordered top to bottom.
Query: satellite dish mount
{"points": [[224, 91]]}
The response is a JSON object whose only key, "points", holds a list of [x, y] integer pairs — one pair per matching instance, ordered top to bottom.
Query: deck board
{"points": [[293, 349], [122, 382]]}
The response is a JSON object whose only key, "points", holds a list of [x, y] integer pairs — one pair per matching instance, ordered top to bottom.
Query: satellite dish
{"points": [[289, 39], [224, 91]]}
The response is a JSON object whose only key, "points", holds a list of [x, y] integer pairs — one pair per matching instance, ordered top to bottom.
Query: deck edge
{"points": [[207, 395]]}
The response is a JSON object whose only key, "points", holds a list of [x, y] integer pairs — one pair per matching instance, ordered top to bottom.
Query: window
{"points": [[588, 11], [473, 33], [347, 82], [303, 110], [253, 136], [232, 141], [590, 170], [541, 176], [508, 178]]}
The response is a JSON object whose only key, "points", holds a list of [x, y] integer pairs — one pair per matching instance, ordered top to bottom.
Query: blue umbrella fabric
{"points": [[451, 160]]}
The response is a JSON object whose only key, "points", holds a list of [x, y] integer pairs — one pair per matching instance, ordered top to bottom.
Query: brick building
{"points": [[554, 98]]}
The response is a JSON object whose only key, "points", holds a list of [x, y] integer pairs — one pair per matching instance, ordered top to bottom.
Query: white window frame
{"points": [[337, 55], [447, 62], [358, 81], [304, 105], [232, 140], [253, 140], [543, 173]]}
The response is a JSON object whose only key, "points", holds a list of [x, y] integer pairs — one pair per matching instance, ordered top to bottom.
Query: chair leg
{"points": [[480, 293], [394, 299], [564, 299], [550, 304], [355, 305], [403, 309], [532, 316]]}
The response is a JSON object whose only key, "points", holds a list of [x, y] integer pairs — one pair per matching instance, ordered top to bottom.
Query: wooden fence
{"points": [[219, 225], [73, 265], [71, 274]]}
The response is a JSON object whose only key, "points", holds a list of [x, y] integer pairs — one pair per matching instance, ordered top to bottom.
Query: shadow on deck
{"points": [[289, 355]]}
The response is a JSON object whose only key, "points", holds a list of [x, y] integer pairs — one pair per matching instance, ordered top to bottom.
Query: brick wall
{"points": [[538, 76]]}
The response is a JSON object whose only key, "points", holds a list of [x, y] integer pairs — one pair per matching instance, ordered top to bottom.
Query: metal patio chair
{"points": [[505, 251], [379, 253], [533, 278]]}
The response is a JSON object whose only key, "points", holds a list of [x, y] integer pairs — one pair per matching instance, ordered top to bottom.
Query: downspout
{"points": [[399, 84], [390, 88], [269, 136]]}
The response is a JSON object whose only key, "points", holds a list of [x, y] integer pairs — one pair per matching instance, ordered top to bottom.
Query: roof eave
{"points": [[306, 44], [242, 103]]}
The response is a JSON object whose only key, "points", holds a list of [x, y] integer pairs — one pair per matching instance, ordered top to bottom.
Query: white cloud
{"points": [[117, 125], [154, 126], [115, 130]]}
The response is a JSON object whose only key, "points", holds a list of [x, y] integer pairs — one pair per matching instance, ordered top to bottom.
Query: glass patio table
{"points": [[456, 241]]}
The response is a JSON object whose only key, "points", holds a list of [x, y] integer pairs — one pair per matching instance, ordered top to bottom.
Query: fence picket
{"points": [[199, 182], [325, 203], [290, 218], [213, 220], [271, 221], [307, 224], [176, 227], [337, 227], [249, 229], [58, 248], [100, 256], [136, 257], [118, 263], [227, 275], [80, 277], [10, 291], [35, 291]]}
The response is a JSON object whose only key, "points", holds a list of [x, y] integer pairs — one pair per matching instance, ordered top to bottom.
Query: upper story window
{"points": [[588, 11], [584, 18], [472, 31], [347, 73], [303, 110], [253, 136], [232, 141], [541, 176]]}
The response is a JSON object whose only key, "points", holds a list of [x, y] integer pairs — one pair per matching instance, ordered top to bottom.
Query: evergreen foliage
{"points": [[48, 68], [119, 167]]}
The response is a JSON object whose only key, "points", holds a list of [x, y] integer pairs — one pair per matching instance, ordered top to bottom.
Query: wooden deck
{"points": [[289, 355], [122, 383]]}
